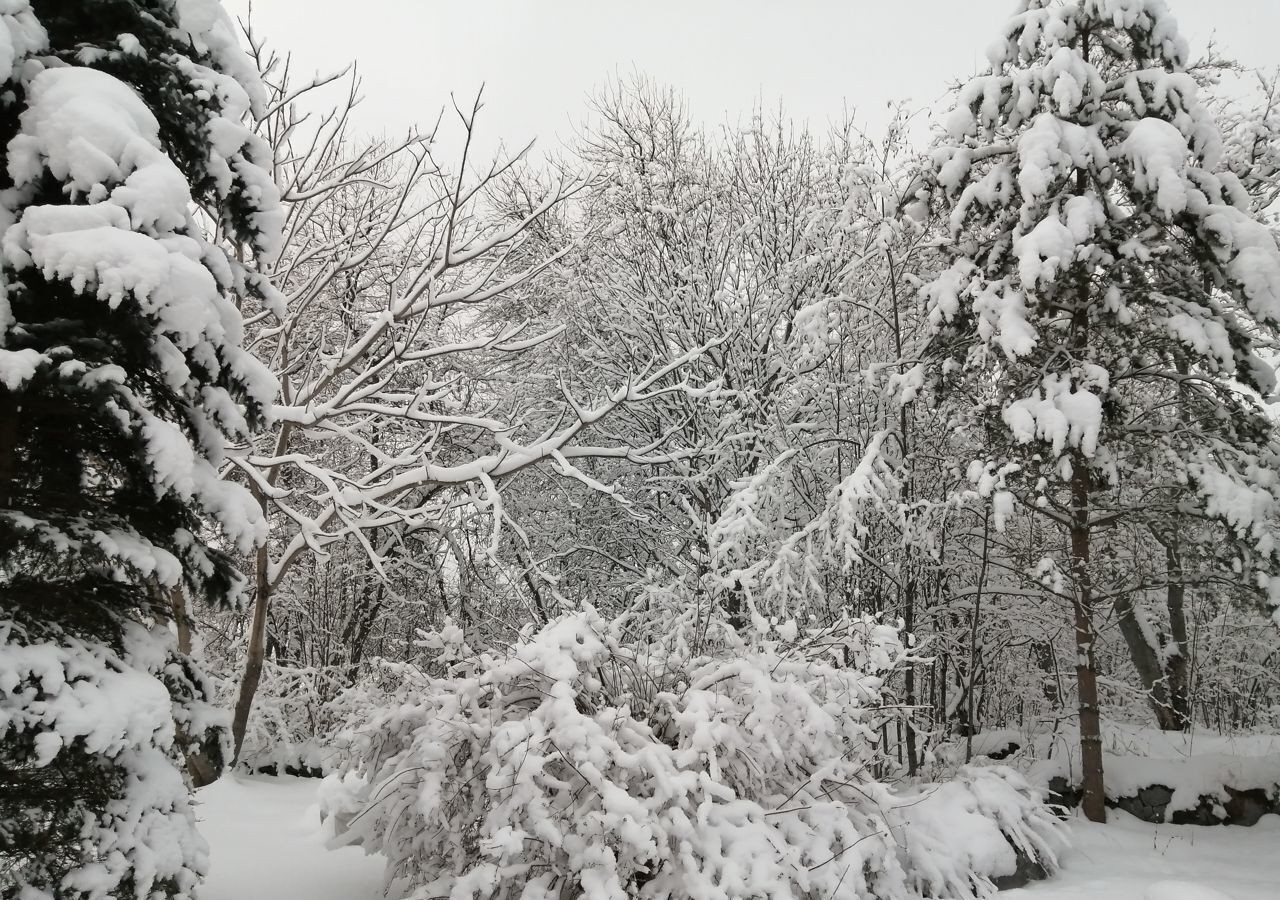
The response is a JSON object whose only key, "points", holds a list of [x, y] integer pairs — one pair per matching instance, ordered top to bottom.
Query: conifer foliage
{"points": [[1098, 321], [121, 378]]}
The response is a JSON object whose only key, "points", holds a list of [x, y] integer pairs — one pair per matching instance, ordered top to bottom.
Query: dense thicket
{"points": [[678, 416], [795, 461]]}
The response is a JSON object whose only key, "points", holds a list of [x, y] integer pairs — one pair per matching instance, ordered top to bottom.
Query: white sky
{"points": [[540, 59]]}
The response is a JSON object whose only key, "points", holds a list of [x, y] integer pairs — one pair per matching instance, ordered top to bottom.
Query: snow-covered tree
{"points": [[1250, 121], [688, 237], [1098, 321], [121, 377], [398, 411]]}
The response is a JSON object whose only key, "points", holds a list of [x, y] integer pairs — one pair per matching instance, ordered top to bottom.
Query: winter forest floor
{"points": [[267, 844]]}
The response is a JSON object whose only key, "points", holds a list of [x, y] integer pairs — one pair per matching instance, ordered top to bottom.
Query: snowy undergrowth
{"points": [[296, 715], [578, 762], [1192, 764], [266, 844]]}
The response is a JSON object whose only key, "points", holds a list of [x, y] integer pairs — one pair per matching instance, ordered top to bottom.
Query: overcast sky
{"points": [[540, 59]]}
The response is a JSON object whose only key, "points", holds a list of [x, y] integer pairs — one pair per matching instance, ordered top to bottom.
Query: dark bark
{"points": [[9, 412], [904, 438], [539, 604], [909, 625], [355, 637], [974, 651], [1044, 655], [1145, 659], [1161, 661], [1177, 668], [201, 769], [1094, 800]]}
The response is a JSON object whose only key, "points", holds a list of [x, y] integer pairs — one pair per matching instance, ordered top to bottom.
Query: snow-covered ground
{"points": [[267, 844], [1128, 859]]}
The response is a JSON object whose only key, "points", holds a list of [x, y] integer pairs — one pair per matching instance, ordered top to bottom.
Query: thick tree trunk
{"points": [[181, 619], [1176, 714], [200, 768], [1094, 800]]}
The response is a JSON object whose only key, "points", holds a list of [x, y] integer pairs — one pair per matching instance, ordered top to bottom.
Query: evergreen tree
{"points": [[1097, 323], [121, 377]]}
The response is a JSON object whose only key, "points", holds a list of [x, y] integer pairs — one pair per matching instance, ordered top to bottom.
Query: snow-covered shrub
{"points": [[295, 711], [301, 712], [580, 763]]}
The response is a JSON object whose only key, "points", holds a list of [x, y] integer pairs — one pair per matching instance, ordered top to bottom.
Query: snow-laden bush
{"points": [[300, 712], [295, 713], [294, 717], [580, 763]]}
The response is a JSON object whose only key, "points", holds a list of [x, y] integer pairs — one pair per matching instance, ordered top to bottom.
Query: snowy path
{"points": [[267, 844]]}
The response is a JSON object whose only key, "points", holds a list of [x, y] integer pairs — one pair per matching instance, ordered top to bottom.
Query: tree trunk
{"points": [[9, 411], [904, 438], [178, 602], [261, 605], [974, 618], [909, 624], [355, 639], [256, 653], [1044, 655], [1177, 658], [1146, 661], [1164, 669], [1176, 715], [200, 768], [1094, 800]]}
